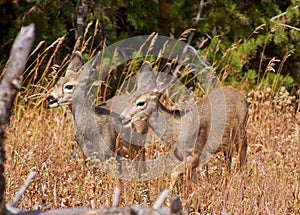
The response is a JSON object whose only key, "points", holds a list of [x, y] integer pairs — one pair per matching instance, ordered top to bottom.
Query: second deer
{"points": [[216, 122]]}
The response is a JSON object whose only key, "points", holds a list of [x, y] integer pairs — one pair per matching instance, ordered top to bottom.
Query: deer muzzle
{"points": [[53, 103]]}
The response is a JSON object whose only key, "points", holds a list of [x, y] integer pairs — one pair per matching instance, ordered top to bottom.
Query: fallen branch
{"points": [[175, 208]]}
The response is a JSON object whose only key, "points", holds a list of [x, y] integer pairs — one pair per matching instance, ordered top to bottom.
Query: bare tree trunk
{"points": [[82, 11], [10, 85]]}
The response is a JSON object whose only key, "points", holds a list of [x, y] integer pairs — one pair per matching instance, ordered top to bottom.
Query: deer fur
{"points": [[216, 122], [96, 127]]}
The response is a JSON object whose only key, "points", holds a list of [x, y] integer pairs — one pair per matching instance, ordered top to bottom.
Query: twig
{"points": [[31, 10], [197, 19], [285, 25], [23, 189], [116, 197], [160, 200]]}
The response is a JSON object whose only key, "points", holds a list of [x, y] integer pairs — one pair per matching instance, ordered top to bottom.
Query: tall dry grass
{"points": [[41, 139]]}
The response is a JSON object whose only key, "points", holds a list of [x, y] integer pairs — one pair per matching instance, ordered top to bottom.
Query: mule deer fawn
{"points": [[216, 122], [96, 127]]}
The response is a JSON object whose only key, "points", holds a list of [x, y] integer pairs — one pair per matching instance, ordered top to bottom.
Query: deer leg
{"points": [[243, 143], [230, 148], [243, 151], [137, 153], [141, 158], [228, 159], [190, 162]]}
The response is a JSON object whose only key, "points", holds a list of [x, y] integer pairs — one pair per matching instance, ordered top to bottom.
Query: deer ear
{"points": [[76, 62], [146, 77], [165, 78]]}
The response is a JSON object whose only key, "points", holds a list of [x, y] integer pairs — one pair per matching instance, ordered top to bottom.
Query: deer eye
{"points": [[69, 87], [141, 103]]}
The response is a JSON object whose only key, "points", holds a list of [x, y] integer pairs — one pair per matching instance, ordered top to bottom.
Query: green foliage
{"points": [[52, 19], [240, 39], [251, 75], [276, 81]]}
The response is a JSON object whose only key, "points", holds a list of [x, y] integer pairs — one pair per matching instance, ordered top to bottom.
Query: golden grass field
{"points": [[41, 139]]}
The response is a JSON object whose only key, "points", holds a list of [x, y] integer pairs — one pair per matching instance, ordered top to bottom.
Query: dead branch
{"points": [[198, 18], [284, 25], [10, 85], [116, 197], [160, 200], [175, 209]]}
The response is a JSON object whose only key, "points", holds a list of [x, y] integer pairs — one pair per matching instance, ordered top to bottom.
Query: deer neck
{"points": [[165, 123], [179, 128], [88, 132]]}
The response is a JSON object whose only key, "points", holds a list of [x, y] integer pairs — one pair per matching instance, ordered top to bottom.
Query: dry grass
{"points": [[42, 139]]}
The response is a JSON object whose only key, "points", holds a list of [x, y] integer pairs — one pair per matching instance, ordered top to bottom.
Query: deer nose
{"points": [[50, 98], [52, 101], [123, 119]]}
